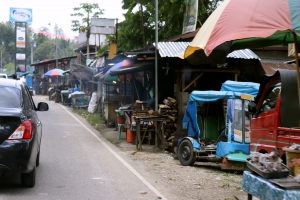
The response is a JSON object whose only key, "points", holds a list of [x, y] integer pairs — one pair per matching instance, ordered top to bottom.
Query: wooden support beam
{"points": [[209, 70], [194, 81]]}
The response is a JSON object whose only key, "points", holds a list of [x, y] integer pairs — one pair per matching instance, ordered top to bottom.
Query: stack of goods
{"points": [[169, 109], [267, 162], [267, 165]]}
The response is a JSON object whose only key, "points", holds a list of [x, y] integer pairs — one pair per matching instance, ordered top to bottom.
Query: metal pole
{"points": [[16, 24], [156, 41], [25, 44], [31, 49], [55, 49], [1, 61]]}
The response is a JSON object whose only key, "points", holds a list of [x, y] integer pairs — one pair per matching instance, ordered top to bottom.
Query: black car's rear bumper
{"points": [[17, 156]]}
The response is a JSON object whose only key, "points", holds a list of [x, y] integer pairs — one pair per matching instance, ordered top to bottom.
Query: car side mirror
{"points": [[42, 106], [252, 108]]}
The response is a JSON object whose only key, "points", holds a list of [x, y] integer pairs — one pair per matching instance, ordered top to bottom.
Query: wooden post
{"points": [[297, 67]]}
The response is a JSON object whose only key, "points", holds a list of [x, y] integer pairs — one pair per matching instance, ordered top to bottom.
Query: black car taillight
{"points": [[24, 131]]}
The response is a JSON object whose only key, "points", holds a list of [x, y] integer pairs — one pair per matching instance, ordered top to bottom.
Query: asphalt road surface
{"points": [[78, 163]]}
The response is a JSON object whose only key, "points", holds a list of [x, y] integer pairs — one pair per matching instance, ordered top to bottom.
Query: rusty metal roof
{"points": [[184, 37], [173, 49], [271, 66]]}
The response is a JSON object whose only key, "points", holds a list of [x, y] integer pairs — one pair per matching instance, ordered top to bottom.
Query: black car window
{"points": [[9, 97], [30, 97], [27, 99], [269, 102]]}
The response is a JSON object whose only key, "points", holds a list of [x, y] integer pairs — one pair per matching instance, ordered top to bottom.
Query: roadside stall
{"points": [[269, 178]]}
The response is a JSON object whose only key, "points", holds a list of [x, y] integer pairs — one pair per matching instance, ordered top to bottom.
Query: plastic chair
{"points": [[120, 130]]}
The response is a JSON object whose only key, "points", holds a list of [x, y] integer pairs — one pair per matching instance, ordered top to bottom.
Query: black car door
{"points": [[30, 111]]}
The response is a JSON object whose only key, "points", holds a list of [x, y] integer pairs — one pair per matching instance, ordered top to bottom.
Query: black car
{"points": [[20, 131]]}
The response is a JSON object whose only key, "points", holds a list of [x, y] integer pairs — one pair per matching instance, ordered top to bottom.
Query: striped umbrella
{"points": [[240, 24], [55, 72]]}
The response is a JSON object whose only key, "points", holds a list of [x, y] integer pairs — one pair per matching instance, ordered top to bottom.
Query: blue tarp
{"points": [[242, 87], [230, 90], [211, 95]]}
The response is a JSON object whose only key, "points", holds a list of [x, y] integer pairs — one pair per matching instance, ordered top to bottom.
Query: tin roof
{"points": [[173, 49], [244, 54], [271, 66]]}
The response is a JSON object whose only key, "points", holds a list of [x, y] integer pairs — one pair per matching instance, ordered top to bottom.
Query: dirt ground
{"points": [[203, 181]]}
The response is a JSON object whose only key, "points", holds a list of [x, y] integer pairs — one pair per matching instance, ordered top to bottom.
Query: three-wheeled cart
{"points": [[217, 124]]}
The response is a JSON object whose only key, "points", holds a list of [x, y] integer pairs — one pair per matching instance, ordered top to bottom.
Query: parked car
{"points": [[3, 75], [20, 131]]}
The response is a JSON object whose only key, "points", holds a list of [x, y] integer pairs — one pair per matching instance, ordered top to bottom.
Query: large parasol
{"points": [[239, 24]]}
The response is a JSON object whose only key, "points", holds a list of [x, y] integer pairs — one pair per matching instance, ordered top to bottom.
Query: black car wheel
{"points": [[186, 155], [37, 163], [28, 179]]}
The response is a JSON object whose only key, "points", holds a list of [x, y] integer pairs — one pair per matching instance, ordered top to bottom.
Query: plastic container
{"points": [[130, 134], [290, 155], [296, 169]]}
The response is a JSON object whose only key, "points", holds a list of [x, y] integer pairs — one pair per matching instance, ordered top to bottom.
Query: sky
{"points": [[58, 12]]}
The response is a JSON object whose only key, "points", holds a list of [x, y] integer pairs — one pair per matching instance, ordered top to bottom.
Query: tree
{"points": [[85, 11], [138, 28], [7, 44], [10, 68]]}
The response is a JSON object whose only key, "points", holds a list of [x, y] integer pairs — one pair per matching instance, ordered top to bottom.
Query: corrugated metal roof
{"points": [[173, 49], [244, 54], [271, 66]]}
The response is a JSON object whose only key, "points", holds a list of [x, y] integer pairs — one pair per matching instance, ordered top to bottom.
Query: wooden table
{"points": [[159, 130], [262, 188]]}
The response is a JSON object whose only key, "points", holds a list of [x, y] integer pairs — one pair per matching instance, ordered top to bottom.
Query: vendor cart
{"points": [[224, 138]]}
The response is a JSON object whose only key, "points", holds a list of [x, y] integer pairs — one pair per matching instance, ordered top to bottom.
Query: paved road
{"points": [[77, 163]]}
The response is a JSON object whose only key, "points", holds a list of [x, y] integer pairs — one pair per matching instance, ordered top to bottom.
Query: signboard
{"points": [[20, 15], [190, 16], [103, 26], [20, 37], [20, 56], [238, 121]]}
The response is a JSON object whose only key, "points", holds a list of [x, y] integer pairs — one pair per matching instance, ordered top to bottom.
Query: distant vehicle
{"points": [[3, 75], [20, 131]]}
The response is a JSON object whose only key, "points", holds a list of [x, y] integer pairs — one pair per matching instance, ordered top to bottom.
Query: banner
{"points": [[20, 15], [190, 16], [20, 37], [20, 56]]}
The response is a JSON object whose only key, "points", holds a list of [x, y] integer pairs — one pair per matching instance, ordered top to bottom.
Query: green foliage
{"points": [[85, 12], [138, 29], [7, 44], [10, 68], [93, 119]]}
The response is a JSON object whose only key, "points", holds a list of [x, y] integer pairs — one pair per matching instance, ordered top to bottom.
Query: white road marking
{"points": [[118, 157]]}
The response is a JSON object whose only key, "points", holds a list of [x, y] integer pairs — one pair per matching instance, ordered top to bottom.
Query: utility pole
{"points": [[33, 45], [55, 46], [1, 61]]}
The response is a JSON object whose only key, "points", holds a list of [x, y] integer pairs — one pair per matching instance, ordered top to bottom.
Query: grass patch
{"points": [[94, 119]]}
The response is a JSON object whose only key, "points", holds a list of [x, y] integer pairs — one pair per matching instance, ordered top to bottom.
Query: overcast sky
{"points": [[58, 12]]}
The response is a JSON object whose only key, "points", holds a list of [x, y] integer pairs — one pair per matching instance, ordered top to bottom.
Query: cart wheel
{"points": [[185, 153]]}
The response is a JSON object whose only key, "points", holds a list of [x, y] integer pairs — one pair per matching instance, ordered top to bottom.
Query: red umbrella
{"points": [[240, 24]]}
